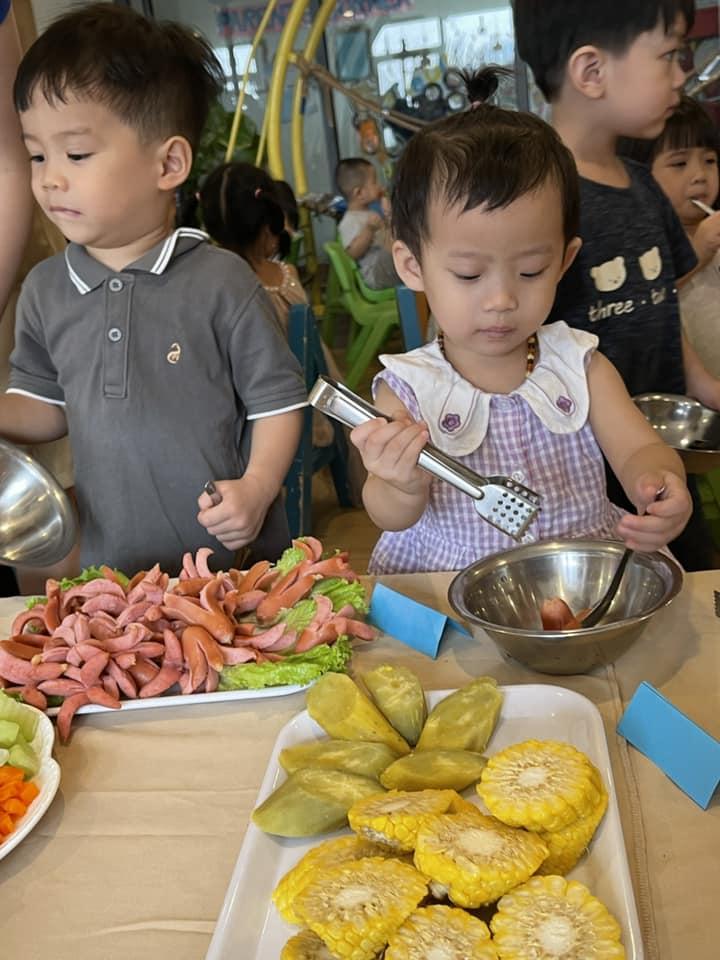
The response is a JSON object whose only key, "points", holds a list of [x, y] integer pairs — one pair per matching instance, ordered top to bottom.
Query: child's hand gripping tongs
{"points": [[501, 501]]}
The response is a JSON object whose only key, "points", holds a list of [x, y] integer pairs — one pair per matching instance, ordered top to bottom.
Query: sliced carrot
{"points": [[9, 774], [10, 790], [28, 792], [15, 807], [6, 825]]}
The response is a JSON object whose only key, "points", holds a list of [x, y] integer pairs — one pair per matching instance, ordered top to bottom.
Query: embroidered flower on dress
{"points": [[565, 404], [450, 422]]}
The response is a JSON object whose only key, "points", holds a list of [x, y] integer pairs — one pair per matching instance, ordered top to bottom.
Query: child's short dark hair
{"points": [[547, 32], [158, 78], [687, 127], [482, 156], [351, 173], [237, 200]]}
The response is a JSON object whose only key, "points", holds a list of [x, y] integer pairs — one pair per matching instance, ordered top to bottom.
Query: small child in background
{"points": [[684, 161], [242, 212], [485, 216], [363, 232], [157, 352]]}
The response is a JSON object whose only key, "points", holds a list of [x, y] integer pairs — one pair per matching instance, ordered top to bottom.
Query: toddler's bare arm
{"points": [[28, 420]]}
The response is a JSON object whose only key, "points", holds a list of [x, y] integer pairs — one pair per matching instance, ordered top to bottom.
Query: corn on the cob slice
{"points": [[540, 785], [395, 817], [566, 846], [327, 854], [474, 859], [356, 907], [549, 918], [441, 932], [306, 945]]}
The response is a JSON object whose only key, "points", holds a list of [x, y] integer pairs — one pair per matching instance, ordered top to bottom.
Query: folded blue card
{"points": [[414, 624], [682, 749]]}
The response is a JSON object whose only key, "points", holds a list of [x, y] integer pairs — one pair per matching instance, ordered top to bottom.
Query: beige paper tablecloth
{"points": [[133, 858]]}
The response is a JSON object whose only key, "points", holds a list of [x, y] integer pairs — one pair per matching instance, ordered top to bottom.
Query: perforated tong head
{"points": [[501, 501]]}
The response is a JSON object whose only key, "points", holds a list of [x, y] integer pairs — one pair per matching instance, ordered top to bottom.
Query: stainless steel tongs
{"points": [[506, 504]]}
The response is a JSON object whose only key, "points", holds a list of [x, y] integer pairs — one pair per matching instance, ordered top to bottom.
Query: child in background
{"points": [[612, 68], [684, 161], [241, 212], [485, 213], [363, 232], [156, 351]]}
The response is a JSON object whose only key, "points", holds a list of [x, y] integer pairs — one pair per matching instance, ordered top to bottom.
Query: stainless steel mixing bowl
{"points": [[686, 425], [38, 525], [502, 594]]}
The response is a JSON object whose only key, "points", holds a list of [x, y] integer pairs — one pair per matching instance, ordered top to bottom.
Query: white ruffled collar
{"points": [[457, 413]]}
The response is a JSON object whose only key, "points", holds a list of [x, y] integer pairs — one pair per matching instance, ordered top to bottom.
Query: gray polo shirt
{"points": [[160, 368]]}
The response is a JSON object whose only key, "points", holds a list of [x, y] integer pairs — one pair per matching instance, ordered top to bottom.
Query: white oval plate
{"points": [[47, 780]]}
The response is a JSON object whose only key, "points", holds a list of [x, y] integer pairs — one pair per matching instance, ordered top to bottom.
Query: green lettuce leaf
{"points": [[290, 558], [89, 573], [342, 592], [299, 616], [295, 668]]}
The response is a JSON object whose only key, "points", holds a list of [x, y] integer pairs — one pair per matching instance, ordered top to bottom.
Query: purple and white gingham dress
{"points": [[539, 434]]}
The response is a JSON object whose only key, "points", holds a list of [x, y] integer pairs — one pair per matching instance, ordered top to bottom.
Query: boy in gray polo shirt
{"points": [[153, 349]]}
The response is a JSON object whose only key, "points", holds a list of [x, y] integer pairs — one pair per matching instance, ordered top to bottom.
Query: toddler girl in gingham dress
{"points": [[485, 214]]}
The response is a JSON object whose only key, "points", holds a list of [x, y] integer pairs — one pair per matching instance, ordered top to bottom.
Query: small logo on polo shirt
{"points": [[174, 353]]}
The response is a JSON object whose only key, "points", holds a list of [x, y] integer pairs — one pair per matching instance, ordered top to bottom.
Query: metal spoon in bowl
{"points": [[596, 613]]}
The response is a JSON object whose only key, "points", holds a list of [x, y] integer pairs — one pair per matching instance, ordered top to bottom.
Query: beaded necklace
{"points": [[532, 346]]}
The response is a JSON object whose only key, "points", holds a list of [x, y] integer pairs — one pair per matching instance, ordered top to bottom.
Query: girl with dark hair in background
{"points": [[242, 212]]}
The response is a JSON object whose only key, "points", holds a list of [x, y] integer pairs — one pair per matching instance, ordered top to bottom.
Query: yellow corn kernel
{"points": [[540, 785], [395, 817], [566, 846], [327, 854], [473, 859], [356, 907], [550, 917], [443, 932], [306, 945]]}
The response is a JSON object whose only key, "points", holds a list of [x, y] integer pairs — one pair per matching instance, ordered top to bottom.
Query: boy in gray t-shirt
{"points": [[363, 232], [157, 353]]}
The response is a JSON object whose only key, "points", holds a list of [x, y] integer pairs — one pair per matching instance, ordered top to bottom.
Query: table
{"points": [[132, 860]]}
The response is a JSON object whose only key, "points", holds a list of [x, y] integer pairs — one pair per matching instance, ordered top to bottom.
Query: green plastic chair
{"points": [[333, 293], [374, 313]]}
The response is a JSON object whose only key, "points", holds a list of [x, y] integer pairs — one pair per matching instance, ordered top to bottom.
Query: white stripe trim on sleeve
{"points": [[80, 284], [35, 396], [275, 413]]}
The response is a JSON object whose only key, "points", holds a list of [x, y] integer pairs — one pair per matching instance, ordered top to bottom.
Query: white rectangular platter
{"points": [[10, 607], [182, 699], [248, 925]]}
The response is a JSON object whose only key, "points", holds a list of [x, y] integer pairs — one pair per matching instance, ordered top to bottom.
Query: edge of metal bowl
{"points": [[55, 490], [457, 602]]}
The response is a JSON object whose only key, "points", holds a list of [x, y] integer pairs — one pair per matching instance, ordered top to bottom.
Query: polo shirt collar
{"points": [[87, 273]]}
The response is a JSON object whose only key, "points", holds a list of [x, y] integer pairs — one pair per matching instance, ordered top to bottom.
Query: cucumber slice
{"points": [[25, 717], [9, 732], [24, 757]]}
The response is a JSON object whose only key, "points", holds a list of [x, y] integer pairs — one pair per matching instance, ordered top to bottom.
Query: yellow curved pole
{"points": [[277, 86], [298, 119], [235, 129], [262, 142], [297, 146]]}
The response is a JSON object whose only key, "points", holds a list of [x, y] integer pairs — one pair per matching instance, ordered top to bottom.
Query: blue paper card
{"points": [[412, 623], [675, 743]]}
